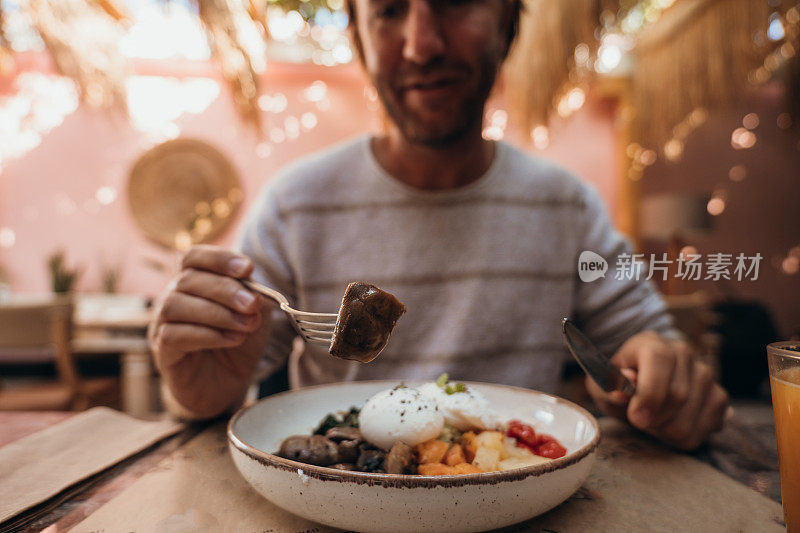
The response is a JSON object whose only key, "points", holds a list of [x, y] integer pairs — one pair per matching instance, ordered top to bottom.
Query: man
{"points": [[479, 241]]}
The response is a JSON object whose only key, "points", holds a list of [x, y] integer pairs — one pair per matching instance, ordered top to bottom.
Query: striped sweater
{"points": [[486, 271]]}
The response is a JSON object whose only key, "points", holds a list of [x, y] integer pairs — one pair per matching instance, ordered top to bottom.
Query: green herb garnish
{"points": [[441, 381], [459, 387], [340, 419]]}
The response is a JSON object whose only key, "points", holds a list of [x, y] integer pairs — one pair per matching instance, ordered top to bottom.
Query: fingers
{"points": [[217, 260], [221, 289], [205, 307], [184, 308], [176, 340], [655, 365], [679, 386], [676, 399], [611, 403], [716, 412], [710, 418], [680, 429]]}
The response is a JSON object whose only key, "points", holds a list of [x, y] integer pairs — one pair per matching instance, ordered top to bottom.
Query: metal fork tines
{"points": [[315, 328]]}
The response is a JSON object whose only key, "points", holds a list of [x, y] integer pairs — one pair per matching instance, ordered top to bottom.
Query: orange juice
{"points": [[786, 404]]}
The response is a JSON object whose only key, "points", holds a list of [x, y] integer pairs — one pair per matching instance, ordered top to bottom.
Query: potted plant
{"points": [[62, 278]]}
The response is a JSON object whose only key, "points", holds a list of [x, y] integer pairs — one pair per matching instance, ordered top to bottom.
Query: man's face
{"points": [[433, 62]]}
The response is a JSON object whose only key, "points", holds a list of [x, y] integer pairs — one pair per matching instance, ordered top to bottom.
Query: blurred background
{"points": [[132, 129]]}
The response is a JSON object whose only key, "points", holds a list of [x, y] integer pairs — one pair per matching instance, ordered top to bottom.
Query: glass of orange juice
{"points": [[784, 380]]}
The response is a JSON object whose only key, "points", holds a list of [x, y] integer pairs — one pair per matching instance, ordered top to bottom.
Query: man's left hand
{"points": [[677, 399]]}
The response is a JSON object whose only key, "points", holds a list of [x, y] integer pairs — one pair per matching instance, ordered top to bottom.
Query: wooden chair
{"points": [[45, 329]]}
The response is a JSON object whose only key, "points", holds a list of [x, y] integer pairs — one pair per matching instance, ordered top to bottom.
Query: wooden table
{"points": [[113, 324], [125, 334], [745, 450]]}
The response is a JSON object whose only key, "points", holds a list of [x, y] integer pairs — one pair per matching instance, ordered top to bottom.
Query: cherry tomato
{"points": [[523, 433], [541, 444], [551, 450]]}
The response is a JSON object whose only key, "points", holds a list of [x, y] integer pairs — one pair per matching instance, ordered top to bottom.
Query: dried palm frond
{"points": [[114, 10], [220, 20], [3, 39], [82, 40], [699, 54], [6, 59], [541, 66]]}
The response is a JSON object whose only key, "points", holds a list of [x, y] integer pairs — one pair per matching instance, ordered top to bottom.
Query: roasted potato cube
{"points": [[431, 451], [455, 455], [486, 459]]}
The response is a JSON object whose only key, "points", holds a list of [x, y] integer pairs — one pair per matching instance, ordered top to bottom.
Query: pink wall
{"points": [[92, 149]]}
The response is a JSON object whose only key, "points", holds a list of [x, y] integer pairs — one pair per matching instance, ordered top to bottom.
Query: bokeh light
{"points": [[750, 121], [541, 137], [742, 139], [737, 173], [106, 195], [716, 206], [7, 237], [687, 251], [790, 265]]}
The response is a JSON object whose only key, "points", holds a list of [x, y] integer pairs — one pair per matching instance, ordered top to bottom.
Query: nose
{"points": [[423, 35]]}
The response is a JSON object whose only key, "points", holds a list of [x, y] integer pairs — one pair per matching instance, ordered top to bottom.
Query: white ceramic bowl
{"points": [[388, 502]]}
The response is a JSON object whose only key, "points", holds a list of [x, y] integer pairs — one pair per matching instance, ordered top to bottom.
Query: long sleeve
{"points": [[610, 309]]}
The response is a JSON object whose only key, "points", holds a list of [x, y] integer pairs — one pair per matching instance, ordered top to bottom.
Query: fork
{"points": [[315, 328]]}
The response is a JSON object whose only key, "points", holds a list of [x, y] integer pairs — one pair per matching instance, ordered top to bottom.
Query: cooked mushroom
{"points": [[366, 318], [338, 434], [311, 449], [348, 451], [370, 459], [400, 460]]}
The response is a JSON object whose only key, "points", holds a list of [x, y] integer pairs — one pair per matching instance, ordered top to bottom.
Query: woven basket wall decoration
{"points": [[183, 192]]}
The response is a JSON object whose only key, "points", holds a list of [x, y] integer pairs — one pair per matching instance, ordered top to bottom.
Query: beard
{"points": [[446, 128]]}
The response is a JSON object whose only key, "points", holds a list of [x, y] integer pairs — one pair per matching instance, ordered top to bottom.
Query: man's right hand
{"points": [[209, 331]]}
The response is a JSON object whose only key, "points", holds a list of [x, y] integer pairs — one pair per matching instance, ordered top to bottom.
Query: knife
{"points": [[594, 363]]}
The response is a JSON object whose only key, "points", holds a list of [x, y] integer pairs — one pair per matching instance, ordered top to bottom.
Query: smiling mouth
{"points": [[430, 85]]}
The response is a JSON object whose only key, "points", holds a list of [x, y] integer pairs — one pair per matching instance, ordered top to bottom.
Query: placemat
{"points": [[39, 466], [635, 485], [197, 489]]}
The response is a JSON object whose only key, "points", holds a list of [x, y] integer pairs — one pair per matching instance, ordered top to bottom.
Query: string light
{"points": [[776, 31], [316, 92], [571, 102], [308, 120], [750, 121], [292, 127], [495, 131], [277, 135], [541, 137], [742, 139], [673, 149], [263, 150], [737, 173], [106, 195], [716, 206], [7, 237], [687, 251], [790, 265]]}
